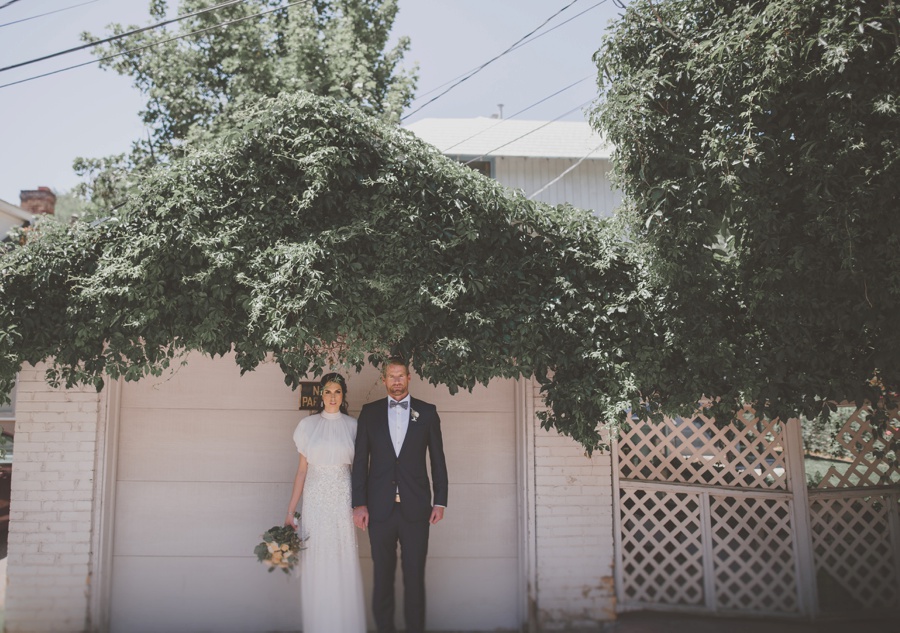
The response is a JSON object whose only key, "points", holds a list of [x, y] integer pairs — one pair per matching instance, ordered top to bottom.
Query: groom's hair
{"points": [[394, 360]]}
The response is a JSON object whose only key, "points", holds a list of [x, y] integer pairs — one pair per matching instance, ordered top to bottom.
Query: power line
{"points": [[3, 6], [34, 17], [113, 38], [522, 42], [152, 44], [487, 63], [513, 116], [565, 173]]}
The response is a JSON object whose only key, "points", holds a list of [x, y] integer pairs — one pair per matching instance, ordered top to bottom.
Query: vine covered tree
{"points": [[197, 74], [758, 150], [313, 236]]}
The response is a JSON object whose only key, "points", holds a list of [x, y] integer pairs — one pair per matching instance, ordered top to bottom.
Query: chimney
{"points": [[40, 201]]}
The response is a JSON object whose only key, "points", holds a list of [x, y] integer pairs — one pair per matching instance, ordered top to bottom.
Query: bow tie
{"points": [[394, 403]]}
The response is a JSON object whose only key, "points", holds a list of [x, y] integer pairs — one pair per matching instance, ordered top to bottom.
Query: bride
{"points": [[331, 592]]}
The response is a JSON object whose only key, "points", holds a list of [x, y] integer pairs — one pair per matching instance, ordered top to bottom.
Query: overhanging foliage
{"points": [[758, 148], [316, 235]]}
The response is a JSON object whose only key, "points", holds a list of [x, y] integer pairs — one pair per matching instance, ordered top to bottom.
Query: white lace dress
{"points": [[331, 590]]}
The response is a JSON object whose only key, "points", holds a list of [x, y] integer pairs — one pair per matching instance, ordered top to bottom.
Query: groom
{"points": [[391, 493]]}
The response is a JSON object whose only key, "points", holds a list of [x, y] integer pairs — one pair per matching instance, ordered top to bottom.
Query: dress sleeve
{"points": [[301, 437]]}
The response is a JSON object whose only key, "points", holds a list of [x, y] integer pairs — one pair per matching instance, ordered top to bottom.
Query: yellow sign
{"points": [[309, 395]]}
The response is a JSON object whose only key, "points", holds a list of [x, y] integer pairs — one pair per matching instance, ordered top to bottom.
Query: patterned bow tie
{"points": [[403, 404]]}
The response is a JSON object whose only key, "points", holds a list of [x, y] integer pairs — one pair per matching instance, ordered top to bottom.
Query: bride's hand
{"points": [[290, 521]]}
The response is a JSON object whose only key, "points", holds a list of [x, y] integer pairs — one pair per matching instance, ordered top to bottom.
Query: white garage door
{"points": [[205, 465]]}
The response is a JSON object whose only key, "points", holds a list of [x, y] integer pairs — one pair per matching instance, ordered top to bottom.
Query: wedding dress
{"points": [[331, 591]]}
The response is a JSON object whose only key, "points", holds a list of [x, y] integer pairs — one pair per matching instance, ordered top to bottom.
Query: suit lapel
{"points": [[384, 426]]}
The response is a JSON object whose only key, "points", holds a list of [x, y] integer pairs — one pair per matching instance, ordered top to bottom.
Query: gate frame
{"points": [[798, 498]]}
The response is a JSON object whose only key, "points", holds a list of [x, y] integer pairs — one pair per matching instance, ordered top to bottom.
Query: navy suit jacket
{"points": [[378, 472]]}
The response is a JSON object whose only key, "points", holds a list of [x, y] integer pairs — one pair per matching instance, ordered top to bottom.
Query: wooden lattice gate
{"points": [[712, 519]]}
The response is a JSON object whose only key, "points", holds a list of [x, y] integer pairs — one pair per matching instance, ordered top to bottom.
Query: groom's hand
{"points": [[437, 513], [361, 517]]}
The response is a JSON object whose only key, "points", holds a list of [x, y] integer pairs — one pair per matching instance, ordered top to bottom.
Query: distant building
{"points": [[550, 161], [36, 202]]}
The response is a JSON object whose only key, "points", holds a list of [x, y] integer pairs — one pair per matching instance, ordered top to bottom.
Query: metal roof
{"points": [[511, 137]]}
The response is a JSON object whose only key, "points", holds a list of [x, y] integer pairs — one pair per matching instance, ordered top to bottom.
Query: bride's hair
{"points": [[337, 379]]}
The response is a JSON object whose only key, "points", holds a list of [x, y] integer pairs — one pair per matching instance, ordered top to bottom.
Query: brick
{"points": [[48, 416], [81, 436], [61, 445], [23, 467], [44, 476], [24, 483], [42, 495], [59, 505], [43, 517], [56, 548], [74, 559]]}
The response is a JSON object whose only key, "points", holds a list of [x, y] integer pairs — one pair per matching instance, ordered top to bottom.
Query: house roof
{"points": [[511, 137], [16, 212]]}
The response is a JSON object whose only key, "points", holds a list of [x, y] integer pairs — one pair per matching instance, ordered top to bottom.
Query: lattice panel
{"points": [[746, 453], [874, 457], [752, 543], [662, 554], [853, 554]]}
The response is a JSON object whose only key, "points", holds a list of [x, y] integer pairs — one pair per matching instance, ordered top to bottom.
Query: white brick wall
{"points": [[573, 533], [48, 572]]}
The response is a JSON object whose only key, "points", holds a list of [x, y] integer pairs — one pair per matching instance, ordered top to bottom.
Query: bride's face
{"points": [[332, 397]]}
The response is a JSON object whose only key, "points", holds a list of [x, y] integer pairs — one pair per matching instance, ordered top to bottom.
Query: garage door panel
{"points": [[204, 383], [218, 384], [207, 445], [480, 447], [195, 518], [480, 521], [181, 594], [464, 594], [473, 594]]}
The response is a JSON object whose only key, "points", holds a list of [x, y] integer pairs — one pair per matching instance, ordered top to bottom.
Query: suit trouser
{"points": [[413, 539]]}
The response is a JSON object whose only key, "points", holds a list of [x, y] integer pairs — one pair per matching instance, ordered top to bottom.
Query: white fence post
{"points": [[807, 591]]}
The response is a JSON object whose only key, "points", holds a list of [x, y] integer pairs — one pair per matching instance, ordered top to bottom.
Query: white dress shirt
{"points": [[398, 421]]}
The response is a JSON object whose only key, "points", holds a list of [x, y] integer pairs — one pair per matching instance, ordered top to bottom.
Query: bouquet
{"points": [[280, 548]]}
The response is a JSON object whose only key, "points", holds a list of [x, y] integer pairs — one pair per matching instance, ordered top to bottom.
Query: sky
{"points": [[48, 122]]}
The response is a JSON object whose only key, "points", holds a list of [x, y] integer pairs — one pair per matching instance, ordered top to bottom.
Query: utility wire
{"points": [[3, 6], [34, 17], [113, 38], [521, 43], [152, 44], [487, 63], [513, 116], [530, 132], [565, 173]]}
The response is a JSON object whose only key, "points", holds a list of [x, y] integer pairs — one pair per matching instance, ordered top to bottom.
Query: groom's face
{"points": [[396, 380]]}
